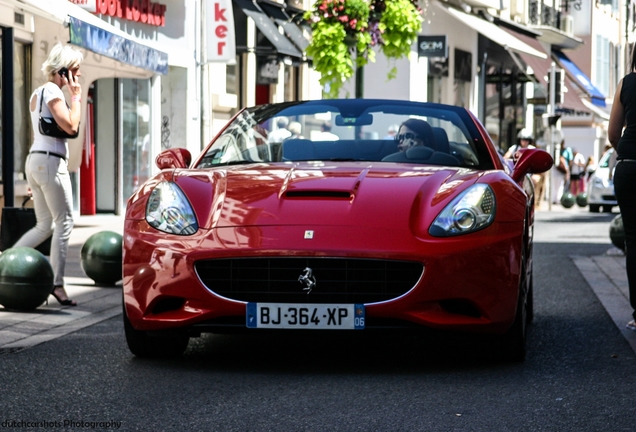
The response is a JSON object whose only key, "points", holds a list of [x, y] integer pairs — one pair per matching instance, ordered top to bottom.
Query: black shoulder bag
{"points": [[49, 127], [16, 221]]}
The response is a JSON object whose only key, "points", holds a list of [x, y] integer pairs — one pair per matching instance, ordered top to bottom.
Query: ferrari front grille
{"points": [[308, 280]]}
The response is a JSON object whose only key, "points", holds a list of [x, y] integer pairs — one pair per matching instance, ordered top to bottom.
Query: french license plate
{"points": [[305, 316]]}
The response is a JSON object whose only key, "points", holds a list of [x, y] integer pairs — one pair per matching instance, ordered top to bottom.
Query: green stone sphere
{"points": [[581, 199], [567, 200], [617, 232], [101, 257], [26, 278]]}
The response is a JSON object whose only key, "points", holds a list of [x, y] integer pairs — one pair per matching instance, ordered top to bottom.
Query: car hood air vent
{"points": [[318, 194]]}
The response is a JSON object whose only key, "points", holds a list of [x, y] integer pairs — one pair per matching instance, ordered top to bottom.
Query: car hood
{"points": [[306, 193]]}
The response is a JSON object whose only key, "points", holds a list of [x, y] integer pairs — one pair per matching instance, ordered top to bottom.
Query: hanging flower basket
{"points": [[344, 33]]}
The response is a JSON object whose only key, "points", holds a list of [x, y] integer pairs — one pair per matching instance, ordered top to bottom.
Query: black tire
{"points": [[594, 208], [607, 208], [530, 303], [513, 342], [156, 345]]}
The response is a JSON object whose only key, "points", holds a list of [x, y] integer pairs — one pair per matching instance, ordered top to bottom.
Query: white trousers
{"points": [[50, 184]]}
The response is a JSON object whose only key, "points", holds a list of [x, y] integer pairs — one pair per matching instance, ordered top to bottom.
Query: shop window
{"points": [[437, 70], [463, 76], [233, 81], [292, 92], [21, 117], [136, 147]]}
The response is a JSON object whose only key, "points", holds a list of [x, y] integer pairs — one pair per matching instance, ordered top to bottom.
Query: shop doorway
{"points": [[121, 113]]}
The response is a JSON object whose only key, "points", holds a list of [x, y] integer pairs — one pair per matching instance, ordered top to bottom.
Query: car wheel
{"points": [[594, 208], [607, 209], [513, 343], [143, 344]]}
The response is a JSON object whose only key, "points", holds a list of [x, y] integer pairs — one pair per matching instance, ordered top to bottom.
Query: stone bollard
{"points": [[581, 199], [567, 200], [617, 232], [101, 257], [26, 278]]}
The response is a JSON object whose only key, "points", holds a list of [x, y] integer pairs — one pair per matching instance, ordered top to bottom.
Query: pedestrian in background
{"points": [[623, 115], [295, 129], [391, 132], [325, 133], [280, 134], [525, 140], [46, 165], [590, 167], [577, 173], [561, 177]]}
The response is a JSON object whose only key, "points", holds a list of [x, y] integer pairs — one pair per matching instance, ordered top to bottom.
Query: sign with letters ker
{"points": [[221, 43], [432, 46]]}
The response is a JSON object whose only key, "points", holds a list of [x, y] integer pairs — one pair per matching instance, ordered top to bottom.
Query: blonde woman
{"points": [[46, 165]]}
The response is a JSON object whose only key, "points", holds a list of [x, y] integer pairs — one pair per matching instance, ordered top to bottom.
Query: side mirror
{"points": [[173, 158], [530, 161]]}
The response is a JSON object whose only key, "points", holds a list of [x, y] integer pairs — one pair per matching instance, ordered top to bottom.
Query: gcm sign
{"points": [[432, 46]]}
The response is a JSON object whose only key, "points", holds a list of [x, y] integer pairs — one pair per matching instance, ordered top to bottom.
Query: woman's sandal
{"points": [[66, 302], [631, 325]]}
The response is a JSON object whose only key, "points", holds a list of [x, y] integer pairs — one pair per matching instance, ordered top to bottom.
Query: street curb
{"points": [[606, 276]]}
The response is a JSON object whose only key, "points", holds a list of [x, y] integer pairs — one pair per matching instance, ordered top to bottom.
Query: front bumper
{"points": [[468, 283]]}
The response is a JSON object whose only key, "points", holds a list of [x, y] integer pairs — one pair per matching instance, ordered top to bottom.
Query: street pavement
{"points": [[20, 330]]}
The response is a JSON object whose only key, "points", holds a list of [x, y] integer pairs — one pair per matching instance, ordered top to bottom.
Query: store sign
{"points": [[89, 5], [143, 11], [219, 19], [432, 46], [117, 47], [267, 72]]}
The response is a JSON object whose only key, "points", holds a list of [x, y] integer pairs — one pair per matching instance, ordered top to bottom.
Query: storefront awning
{"points": [[268, 28], [291, 29], [88, 31], [495, 33], [540, 66], [580, 79], [573, 99]]}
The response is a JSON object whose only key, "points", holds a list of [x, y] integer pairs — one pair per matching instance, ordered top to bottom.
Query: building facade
{"points": [[147, 82]]}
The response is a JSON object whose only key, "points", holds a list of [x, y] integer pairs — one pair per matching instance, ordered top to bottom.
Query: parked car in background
{"points": [[600, 186], [430, 230]]}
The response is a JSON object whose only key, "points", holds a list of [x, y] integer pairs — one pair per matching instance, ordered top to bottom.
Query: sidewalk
{"points": [[607, 277], [19, 330]]}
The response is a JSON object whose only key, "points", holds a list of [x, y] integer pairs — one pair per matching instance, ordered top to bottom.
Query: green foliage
{"points": [[401, 23], [344, 33], [331, 56]]}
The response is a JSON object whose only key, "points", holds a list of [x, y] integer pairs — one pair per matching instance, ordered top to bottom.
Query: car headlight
{"points": [[169, 210], [472, 210]]}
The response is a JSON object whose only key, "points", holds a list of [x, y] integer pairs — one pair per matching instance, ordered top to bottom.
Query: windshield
{"points": [[350, 130]]}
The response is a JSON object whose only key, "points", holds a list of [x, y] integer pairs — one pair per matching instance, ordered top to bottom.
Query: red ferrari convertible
{"points": [[306, 215]]}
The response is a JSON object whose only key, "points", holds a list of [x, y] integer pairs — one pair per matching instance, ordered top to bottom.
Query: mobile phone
{"points": [[63, 72]]}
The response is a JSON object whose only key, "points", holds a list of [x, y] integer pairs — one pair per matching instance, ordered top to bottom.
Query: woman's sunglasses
{"points": [[408, 135]]}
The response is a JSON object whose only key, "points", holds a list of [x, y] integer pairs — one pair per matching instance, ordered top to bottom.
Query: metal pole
{"points": [[8, 136], [549, 144]]}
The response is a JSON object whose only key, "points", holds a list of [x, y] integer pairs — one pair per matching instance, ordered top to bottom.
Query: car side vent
{"points": [[318, 194], [168, 304], [460, 307]]}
